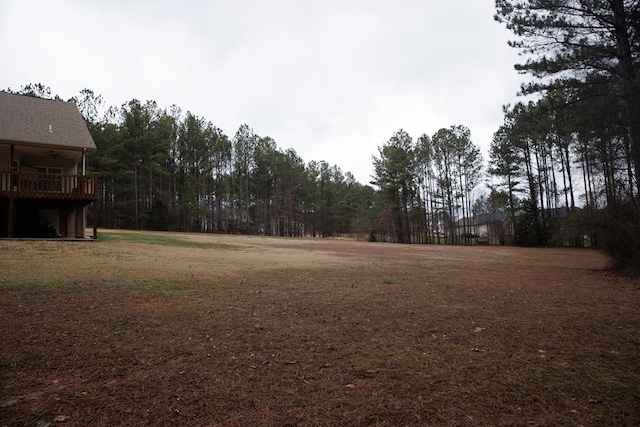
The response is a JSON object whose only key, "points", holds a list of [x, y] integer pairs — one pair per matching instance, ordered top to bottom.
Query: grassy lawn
{"points": [[169, 329]]}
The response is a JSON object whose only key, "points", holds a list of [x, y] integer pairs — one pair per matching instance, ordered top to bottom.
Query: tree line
{"points": [[578, 144], [162, 170]]}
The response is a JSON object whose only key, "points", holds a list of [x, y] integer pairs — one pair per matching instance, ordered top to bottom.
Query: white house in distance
{"points": [[44, 188]]}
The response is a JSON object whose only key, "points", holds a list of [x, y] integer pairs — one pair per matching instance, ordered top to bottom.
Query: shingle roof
{"points": [[25, 119], [490, 217]]}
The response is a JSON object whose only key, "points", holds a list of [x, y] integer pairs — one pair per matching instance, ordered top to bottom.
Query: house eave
{"points": [[47, 145]]}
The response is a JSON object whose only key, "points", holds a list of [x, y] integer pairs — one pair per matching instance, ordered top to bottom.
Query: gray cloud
{"points": [[333, 80]]}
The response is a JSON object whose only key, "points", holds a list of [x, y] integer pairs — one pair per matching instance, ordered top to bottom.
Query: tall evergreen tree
{"points": [[395, 176]]}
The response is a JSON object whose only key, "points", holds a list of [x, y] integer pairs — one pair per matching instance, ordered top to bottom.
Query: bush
{"points": [[620, 236]]}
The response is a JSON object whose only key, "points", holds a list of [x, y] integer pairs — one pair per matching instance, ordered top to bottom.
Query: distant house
{"points": [[44, 188], [494, 228], [484, 229], [465, 231]]}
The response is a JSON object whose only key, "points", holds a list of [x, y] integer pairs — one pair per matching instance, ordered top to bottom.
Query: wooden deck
{"points": [[28, 185]]}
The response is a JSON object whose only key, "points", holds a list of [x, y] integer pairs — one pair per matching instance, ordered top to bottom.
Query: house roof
{"points": [[43, 122], [490, 217], [465, 222]]}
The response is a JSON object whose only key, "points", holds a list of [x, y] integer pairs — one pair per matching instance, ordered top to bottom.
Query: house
{"points": [[44, 188], [494, 228], [484, 229], [465, 231]]}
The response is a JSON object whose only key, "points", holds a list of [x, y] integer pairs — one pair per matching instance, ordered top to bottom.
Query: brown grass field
{"points": [[165, 329]]}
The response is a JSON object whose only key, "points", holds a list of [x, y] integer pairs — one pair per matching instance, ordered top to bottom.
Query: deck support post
{"points": [[95, 206], [10, 216], [95, 220]]}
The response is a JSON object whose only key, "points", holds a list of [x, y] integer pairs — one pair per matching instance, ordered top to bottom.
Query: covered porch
{"points": [[45, 205]]}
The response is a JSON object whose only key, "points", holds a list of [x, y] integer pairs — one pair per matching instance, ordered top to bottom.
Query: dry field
{"points": [[161, 329]]}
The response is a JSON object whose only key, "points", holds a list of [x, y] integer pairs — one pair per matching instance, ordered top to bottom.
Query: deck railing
{"points": [[32, 185]]}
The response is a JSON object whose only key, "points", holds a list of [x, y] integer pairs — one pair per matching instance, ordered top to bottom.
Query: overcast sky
{"points": [[334, 80]]}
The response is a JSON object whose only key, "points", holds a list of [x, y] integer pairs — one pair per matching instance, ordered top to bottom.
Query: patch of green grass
{"points": [[159, 239]]}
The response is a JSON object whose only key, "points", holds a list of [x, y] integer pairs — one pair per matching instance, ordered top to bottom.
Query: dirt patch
{"points": [[239, 331]]}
